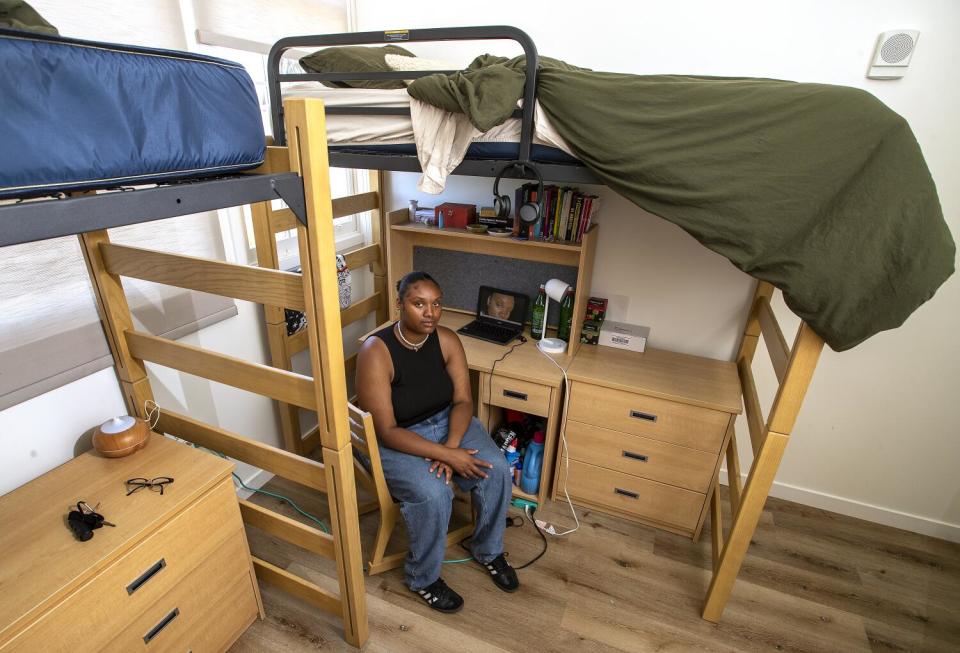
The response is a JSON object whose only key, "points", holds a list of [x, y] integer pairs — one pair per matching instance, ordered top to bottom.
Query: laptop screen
{"points": [[503, 306]]}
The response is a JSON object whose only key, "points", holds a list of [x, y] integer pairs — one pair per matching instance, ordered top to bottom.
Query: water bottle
{"points": [[539, 308], [566, 316], [513, 457], [532, 463]]}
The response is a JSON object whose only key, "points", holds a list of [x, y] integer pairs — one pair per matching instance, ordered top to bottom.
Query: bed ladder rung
{"points": [[353, 204], [284, 219], [363, 256], [261, 285], [360, 310], [773, 338], [288, 387], [751, 404], [276, 461], [302, 535], [303, 589]]}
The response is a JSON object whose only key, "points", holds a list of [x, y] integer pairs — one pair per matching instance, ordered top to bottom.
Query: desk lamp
{"points": [[555, 289]]}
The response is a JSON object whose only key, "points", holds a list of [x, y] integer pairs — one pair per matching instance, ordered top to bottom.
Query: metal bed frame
{"points": [[409, 163]]}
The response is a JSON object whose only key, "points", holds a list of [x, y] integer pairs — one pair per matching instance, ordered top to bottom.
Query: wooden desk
{"points": [[525, 380], [646, 433], [174, 574]]}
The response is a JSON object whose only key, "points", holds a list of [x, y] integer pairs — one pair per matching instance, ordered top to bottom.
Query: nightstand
{"points": [[174, 573]]}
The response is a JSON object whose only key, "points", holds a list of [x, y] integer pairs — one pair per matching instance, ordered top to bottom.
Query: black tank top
{"points": [[421, 386]]}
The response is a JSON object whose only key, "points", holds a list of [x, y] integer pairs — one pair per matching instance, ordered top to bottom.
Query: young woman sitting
{"points": [[412, 377]]}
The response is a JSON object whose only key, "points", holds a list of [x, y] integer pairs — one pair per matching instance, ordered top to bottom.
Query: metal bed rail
{"points": [[495, 32]]}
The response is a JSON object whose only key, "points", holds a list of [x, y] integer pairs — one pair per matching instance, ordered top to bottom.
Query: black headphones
{"points": [[529, 212]]}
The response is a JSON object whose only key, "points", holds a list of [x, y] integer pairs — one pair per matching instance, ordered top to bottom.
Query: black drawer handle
{"points": [[513, 394], [636, 414], [636, 456], [626, 493], [145, 576], [161, 625]]}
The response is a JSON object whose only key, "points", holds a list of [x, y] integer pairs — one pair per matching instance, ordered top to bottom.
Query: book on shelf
{"points": [[565, 213]]}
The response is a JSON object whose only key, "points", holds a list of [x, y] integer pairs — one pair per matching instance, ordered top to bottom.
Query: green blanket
{"points": [[820, 190]]}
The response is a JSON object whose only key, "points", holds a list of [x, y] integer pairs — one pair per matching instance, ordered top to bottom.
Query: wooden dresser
{"points": [[645, 432], [175, 573]]}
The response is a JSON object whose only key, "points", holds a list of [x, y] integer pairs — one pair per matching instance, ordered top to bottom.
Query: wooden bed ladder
{"points": [[267, 223], [315, 293], [794, 368]]}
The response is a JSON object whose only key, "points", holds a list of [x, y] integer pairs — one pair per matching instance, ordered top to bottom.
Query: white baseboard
{"points": [[255, 481], [860, 510]]}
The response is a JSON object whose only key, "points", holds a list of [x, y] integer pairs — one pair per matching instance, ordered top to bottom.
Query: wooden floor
{"points": [[812, 581]]}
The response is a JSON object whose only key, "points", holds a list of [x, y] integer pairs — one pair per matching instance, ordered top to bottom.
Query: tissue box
{"points": [[456, 216], [624, 336]]}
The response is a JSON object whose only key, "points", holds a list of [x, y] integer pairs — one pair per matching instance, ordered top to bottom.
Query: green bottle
{"points": [[539, 306], [566, 316]]}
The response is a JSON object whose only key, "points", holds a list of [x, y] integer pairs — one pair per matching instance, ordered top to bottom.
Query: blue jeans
{"points": [[426, 501]]}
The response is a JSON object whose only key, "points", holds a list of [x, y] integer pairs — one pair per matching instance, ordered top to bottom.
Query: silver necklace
{"points": [[414, 347]]}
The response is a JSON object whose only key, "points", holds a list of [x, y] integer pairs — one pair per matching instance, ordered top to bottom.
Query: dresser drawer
{"points": [[519, 395], [659, 419], [632, 454], [635, 496], [136, 580], [199, 603]]}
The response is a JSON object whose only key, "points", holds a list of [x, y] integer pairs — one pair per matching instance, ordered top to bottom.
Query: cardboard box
{"points": [[456, 216], [488, 216], [596, 309], [590, 333], [624, 336]]}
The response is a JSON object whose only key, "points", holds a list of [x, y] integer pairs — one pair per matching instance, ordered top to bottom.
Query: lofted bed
{"points": [[92, 195], [838, 302]]}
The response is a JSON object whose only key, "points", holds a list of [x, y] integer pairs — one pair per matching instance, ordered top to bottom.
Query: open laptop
{"points": [[500, 315]]}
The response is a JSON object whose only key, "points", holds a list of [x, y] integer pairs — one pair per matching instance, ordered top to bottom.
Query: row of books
{"points": [[567, 213]]}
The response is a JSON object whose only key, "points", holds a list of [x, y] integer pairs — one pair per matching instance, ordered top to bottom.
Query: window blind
{"points": [[268, 22], [50, 333]]}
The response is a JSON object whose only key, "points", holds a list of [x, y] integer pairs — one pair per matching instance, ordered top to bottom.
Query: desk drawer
{"points": [[519, 395], [659, 419], [632, 454], [635, 496], [136, 580], [213, 602]]}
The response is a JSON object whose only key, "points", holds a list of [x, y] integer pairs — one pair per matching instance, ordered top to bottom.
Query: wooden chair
{"points": [[365, 441]]}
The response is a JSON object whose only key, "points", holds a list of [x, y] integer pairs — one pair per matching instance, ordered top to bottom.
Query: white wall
{"points": [[877, 436]]}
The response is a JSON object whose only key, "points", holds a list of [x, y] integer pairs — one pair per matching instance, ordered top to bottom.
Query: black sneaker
{"points": [[502, 573], [440, 597]]}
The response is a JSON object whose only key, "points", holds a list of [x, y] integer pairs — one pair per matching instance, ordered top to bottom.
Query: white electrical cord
{"points": [[152, 414], [544, 526]]}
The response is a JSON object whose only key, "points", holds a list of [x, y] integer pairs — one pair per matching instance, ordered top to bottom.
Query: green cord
{"points": [[323, 527], [453, 562]]}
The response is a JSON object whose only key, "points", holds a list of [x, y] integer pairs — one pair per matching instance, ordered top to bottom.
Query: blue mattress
{"points": [[81, 115]]}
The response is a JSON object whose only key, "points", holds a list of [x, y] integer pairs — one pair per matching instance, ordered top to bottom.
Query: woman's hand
{"points": [[465, 463], [441, 468]]}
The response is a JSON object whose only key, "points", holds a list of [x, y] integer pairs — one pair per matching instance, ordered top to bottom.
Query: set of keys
{"points": [[84, 520]]}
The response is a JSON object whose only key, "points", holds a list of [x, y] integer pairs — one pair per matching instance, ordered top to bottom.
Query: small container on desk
{"points": [[455, 216]]}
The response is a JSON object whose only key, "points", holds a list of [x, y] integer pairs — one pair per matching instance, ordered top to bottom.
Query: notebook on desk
{"points": [[500, 315]]}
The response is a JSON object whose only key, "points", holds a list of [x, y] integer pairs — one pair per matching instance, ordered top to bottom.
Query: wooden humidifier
{"points": [[121, 436]]}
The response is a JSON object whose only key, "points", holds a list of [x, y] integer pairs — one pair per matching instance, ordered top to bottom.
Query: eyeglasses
{"points": [[155, 484]]}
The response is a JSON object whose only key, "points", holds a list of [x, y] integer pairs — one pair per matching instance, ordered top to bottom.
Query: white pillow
{"points": [[403, 63]]}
